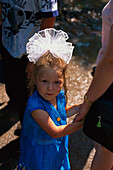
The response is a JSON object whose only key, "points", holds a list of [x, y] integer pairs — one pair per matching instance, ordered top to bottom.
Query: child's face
{"points": [[49, 83]]}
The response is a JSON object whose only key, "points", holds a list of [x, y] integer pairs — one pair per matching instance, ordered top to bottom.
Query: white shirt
{"points": [[21, 19]]}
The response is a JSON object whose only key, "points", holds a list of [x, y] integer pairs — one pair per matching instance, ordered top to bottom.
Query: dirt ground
{"points": [[80, 147]]}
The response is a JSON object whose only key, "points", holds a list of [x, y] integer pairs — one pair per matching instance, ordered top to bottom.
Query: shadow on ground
{"points": [[9, 143], [9, 155]]}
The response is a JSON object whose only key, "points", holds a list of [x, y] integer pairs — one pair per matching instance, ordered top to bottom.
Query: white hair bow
{"points": [[52, 40]]}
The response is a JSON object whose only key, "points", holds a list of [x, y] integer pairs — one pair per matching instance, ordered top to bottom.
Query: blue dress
{"points": [[38, 150]]}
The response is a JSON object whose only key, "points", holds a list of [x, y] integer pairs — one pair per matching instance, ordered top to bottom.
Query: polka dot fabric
{"points": [[38, 150]]}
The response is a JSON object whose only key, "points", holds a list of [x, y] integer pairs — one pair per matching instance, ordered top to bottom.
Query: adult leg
{"points": [[15, 80], [103, 159]]}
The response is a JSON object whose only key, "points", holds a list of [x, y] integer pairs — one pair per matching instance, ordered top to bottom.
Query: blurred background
{"points": [[81, 19]]}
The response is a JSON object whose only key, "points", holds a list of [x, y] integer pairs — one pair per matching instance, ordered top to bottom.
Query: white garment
{"points": [[21, 19], [107, 21], [52, 40]]}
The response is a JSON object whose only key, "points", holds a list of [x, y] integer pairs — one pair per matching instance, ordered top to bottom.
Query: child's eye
{"points": [[44, 81], [57, 82]]}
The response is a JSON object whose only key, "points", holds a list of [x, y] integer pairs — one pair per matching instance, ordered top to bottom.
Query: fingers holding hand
{"points": [[85, 107]]}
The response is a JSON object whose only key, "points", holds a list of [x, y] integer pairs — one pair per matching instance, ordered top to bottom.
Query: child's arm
{"points": [[71, 110], [44, 120]]}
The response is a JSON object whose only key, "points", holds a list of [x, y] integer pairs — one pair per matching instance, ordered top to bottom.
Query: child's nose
{"points": [[50, 86]]}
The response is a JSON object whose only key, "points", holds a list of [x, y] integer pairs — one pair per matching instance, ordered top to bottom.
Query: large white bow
{"points": [[52, 40]]}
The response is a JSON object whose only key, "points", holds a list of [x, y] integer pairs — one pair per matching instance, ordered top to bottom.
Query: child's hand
{"points": [[72, 110], [74, 120], [79, 124]]}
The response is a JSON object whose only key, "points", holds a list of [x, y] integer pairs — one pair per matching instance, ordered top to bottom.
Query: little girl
{"points": [[44, 136]]}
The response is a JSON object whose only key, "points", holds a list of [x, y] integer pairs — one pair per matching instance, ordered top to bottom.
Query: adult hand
{"points": [[29, 69], [85, 107]]}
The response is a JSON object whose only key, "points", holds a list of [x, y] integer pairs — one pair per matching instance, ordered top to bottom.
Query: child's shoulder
{"points": [[33, 96], [35, 100]]}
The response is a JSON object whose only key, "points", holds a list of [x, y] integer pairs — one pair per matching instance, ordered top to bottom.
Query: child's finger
{"points": [[78, 118]]}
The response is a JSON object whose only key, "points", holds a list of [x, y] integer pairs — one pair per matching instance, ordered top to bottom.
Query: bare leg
{"points": [[103, 159]]}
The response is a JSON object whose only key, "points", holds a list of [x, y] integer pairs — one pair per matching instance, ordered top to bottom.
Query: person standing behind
{"points": [[20, 20], [102, 82]]}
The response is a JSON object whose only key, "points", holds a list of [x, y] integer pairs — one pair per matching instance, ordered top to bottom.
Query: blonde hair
{"points": [[47, 60]]}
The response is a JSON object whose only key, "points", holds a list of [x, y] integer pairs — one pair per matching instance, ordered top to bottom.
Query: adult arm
{"points": [[47, 23], [103, 78]]}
